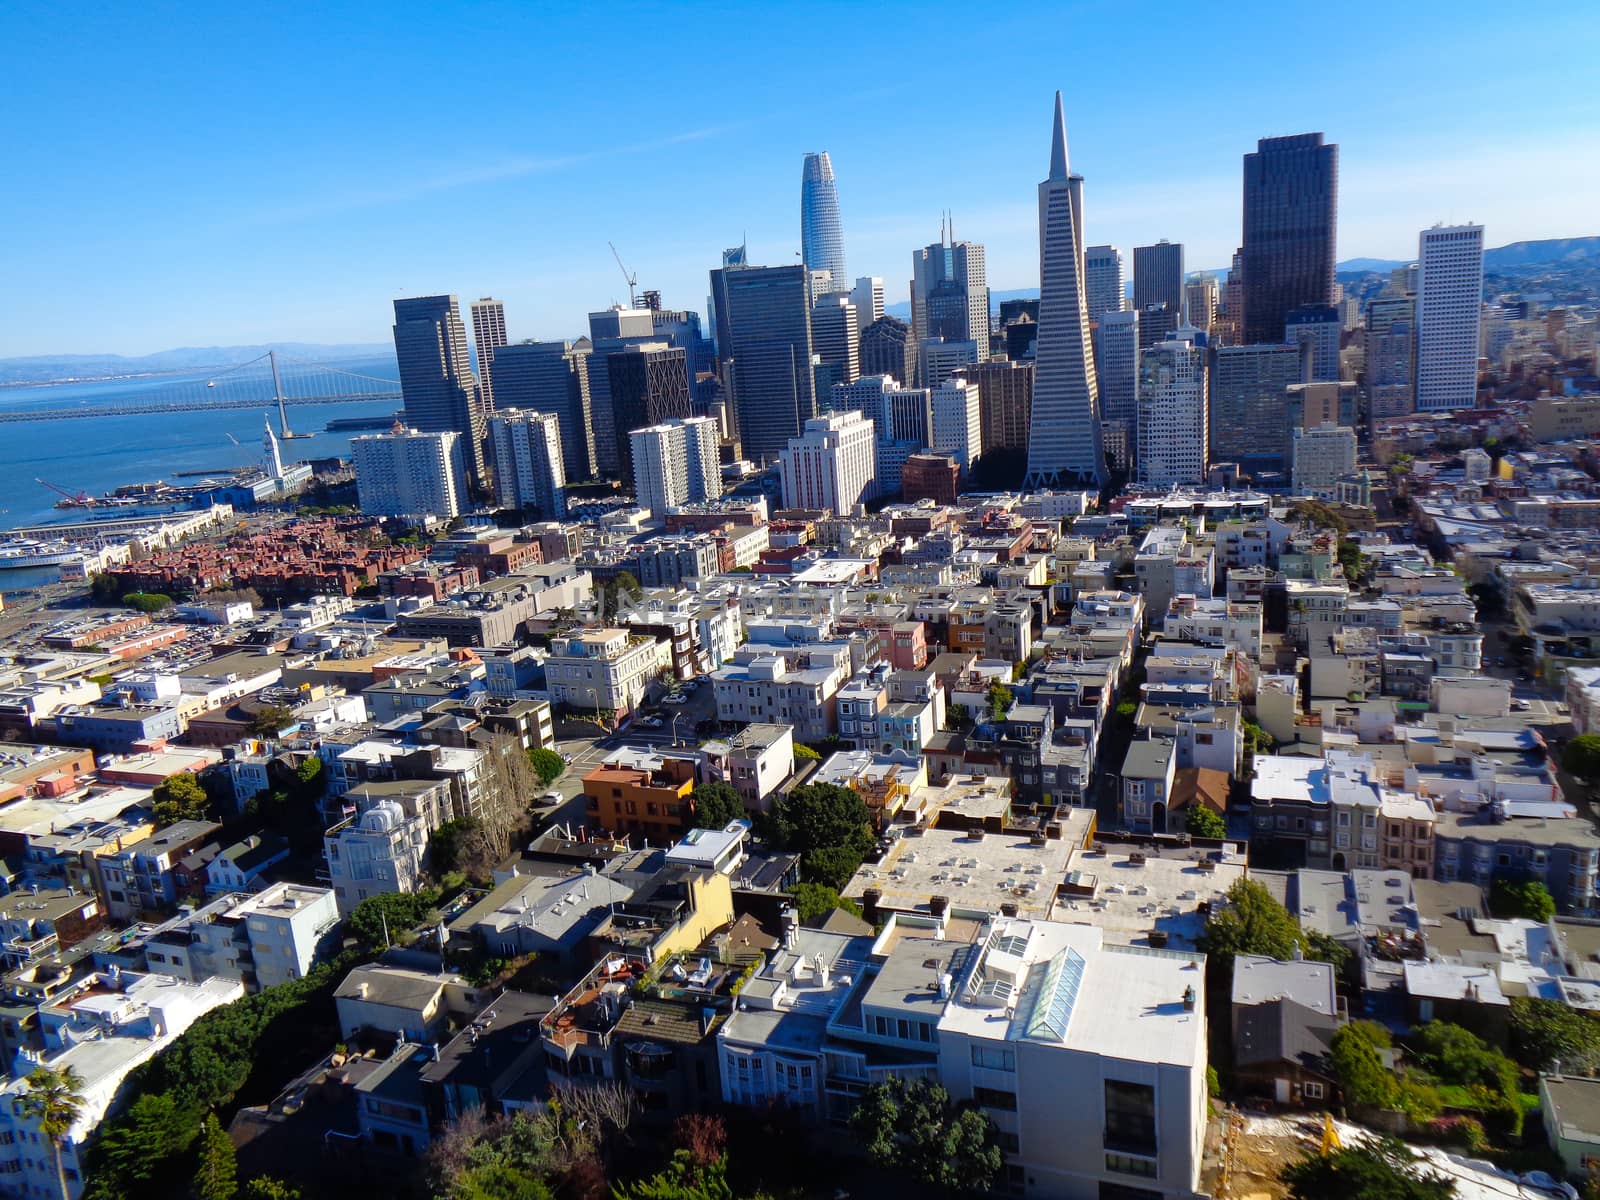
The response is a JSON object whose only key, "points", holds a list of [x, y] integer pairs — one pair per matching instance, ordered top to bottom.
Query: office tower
{"points": [[1291, 200], [821, 238], [1158, 276], [1403, 280], [1103, 282], [950, 294], [867, 296], [1200, 298], [1018, 309], [1449, 310], [1230, 314], [1157, 322], [681, 328], [1316, 329], [613, 330], [488, 335], [1018, 339], [764, 340], [835, 342], [887, 348], [1116, 358], [938, 359], [1390, 376], [552, 377], [648, 385], [439, 390], [1005, 403], [1314, 404], [1249, 405], [1173, 411], [902, 422], [957, 423], [1064, 431], [1322, 457], [675, 463], [829, 464], [528, 470], [410, 473], [935, 477]]}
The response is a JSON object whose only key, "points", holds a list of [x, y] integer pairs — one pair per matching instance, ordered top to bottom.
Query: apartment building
{"points": [[605, 669]]}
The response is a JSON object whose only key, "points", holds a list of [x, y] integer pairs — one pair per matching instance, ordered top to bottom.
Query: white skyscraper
{"points": [[1103, 282], [867, 296], [1449, 312], [488, 335], [1174, 411], [957, 422], [1064, 426], [1322, 457], [675, 463], [830, 465], [530, 471], [408, 473]]}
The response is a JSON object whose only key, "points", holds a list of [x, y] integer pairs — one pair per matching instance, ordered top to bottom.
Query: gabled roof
{"points": [[1283, 1031]]}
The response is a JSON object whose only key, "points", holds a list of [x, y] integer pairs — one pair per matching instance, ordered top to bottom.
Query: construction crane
{"points": [[633, 280], [73, 499]]}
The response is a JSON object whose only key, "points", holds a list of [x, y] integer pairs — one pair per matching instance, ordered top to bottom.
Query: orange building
{"points": [[642, 793]]}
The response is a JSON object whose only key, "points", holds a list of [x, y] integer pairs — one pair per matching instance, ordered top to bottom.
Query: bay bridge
{"points": [[273, 378]]}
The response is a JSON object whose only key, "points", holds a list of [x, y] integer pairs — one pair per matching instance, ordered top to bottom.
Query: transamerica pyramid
{"points": [[1064, 427]]}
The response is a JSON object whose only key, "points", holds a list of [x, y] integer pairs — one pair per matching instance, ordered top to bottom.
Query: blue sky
{"points": [[212, 174]]}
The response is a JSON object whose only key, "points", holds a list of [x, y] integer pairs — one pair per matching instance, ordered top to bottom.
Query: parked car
{"points": [[676, 698]]}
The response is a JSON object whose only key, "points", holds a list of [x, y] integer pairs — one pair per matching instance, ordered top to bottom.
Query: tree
{"points": [[147, 602], [1000, 700], [270, 721], [804, 753], [1582, 757], [547, 765], [179, 798], [507, 802], [715, 804], [1205, 822], [827, 825], [448, 844], [1521, 898], [814, 902], [379, 921], [1252, 922], [1544, 1032], [1458, 1055], [1359, 1066], [52, 1099], [912, 1127], [132, 1150], [1376, 1169], [216, 1178], [682, 1179], [497, 1181], [265, 1187]]}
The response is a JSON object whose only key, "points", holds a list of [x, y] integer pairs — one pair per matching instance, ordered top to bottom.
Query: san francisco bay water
{"points": [[97, 454]]}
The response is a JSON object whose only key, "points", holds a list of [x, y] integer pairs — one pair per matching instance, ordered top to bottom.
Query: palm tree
{"points": [[54, 1098]]}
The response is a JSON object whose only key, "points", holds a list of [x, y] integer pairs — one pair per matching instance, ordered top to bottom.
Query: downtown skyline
{"points": [[229, 218]]}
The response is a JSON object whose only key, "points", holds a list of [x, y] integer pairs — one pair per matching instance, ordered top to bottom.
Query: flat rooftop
{"points": [[971, 872], [1129, 893], [1117, 1002]]}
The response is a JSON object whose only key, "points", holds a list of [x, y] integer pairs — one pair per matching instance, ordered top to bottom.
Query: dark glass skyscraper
{"points": [[1291, 200], [821, 236], [1158, 277], [764, 340], [887, 348], [436, 380], [648, 385]]}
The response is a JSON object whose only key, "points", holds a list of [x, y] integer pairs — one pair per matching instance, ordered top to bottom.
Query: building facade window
{"points": [[1130, 1117]]}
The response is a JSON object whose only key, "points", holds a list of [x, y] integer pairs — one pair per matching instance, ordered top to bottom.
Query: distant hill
{"points": [[1551, 250], [1356, 266], [48, 368]]}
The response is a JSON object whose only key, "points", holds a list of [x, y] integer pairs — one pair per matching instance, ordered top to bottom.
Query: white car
{"points": [[676, 698], [551, 797]]}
